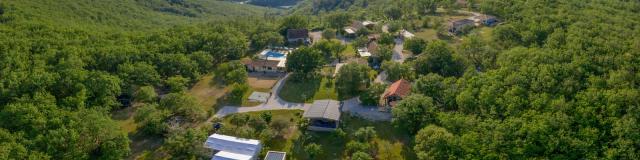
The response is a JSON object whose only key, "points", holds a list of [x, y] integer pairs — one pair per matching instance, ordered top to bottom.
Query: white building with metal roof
{"points": [[233, 148]]}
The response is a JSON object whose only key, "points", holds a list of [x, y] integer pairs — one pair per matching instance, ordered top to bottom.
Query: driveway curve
{"points": [[273, 103], [351, 106]]}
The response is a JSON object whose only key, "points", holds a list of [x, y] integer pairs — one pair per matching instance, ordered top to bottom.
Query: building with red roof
{"points": [[394, 93]]}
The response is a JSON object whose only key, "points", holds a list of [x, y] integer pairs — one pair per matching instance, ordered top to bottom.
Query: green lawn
{"points": [[427, 34], [349, 52], [308, 90], [391, 142]]}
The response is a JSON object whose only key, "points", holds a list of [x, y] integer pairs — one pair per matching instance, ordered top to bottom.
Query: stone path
{"points": [[397, 51]]}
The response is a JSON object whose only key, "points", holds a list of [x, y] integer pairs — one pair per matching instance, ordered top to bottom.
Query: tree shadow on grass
{"points": [[300, 91], [142, 144]]}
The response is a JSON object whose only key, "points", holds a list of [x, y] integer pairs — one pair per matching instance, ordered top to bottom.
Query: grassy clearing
{"points": [[427, 34], [262, 83], [308, 90], [207, 92], [285, 143], [392, 143]]}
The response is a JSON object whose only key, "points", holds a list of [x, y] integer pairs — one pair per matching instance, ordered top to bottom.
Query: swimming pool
{"points": [[274, 54]]}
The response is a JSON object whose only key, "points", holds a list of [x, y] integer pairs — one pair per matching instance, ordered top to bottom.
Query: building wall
{"points": [[265, 69]]}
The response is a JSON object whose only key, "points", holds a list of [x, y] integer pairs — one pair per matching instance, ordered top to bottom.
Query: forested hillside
{"points": [[124, 15], [66, 65], [554, 80]]}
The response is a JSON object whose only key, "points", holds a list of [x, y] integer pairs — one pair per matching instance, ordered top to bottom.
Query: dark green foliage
{"points": [[394, 12], [338, 20], [294, 22], [329, 33], [266, 39], [386, 39], [415, 45], [331, 49], [385, 52], [477, 52], [438, 58], [203, 60], [304, 61], [396, 71], [232, 72], [141, 74], [352, 79], [176, 83], [145, 94], [236, 95], [371, 96], [183, 104], [414, 112], [266, 116], [151, 119], [280, 125], [365, 134], [433, 142], [187, 144], [355, 146], [313, 150], [361, 156]]}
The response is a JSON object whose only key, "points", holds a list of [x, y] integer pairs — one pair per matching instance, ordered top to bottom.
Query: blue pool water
{"points": [[274, 54]]}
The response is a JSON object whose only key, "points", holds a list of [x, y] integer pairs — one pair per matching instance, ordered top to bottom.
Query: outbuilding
{"points": [[323, 115], [233, 148]]}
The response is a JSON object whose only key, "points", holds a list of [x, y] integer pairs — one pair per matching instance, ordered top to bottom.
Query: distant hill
{"points": [[274, 3], [127, 14]]}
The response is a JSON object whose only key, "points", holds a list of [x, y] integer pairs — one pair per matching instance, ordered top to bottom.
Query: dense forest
{"points": [[67, 65], [556, 80]]}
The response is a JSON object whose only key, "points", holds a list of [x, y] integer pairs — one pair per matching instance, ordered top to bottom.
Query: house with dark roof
{"points": [[457, 26], [298, 36], [394, 93], [323, 115]]}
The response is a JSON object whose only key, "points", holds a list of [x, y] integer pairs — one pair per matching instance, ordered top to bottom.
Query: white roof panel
{"points": [[349, 31], [233, 144], [223, 155]]}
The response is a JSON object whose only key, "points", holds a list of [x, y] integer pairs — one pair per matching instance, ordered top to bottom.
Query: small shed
{"points": [[406, 34], [363, 52], [259, 97], [323, 115], [275, 155]]}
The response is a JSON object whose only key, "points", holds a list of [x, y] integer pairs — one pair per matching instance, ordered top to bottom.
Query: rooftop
{"points": [[461, 22], [297, 33], [400, 88], [325, 109], [234, 139], [232, 146], [222, 155], [275, 155]]}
